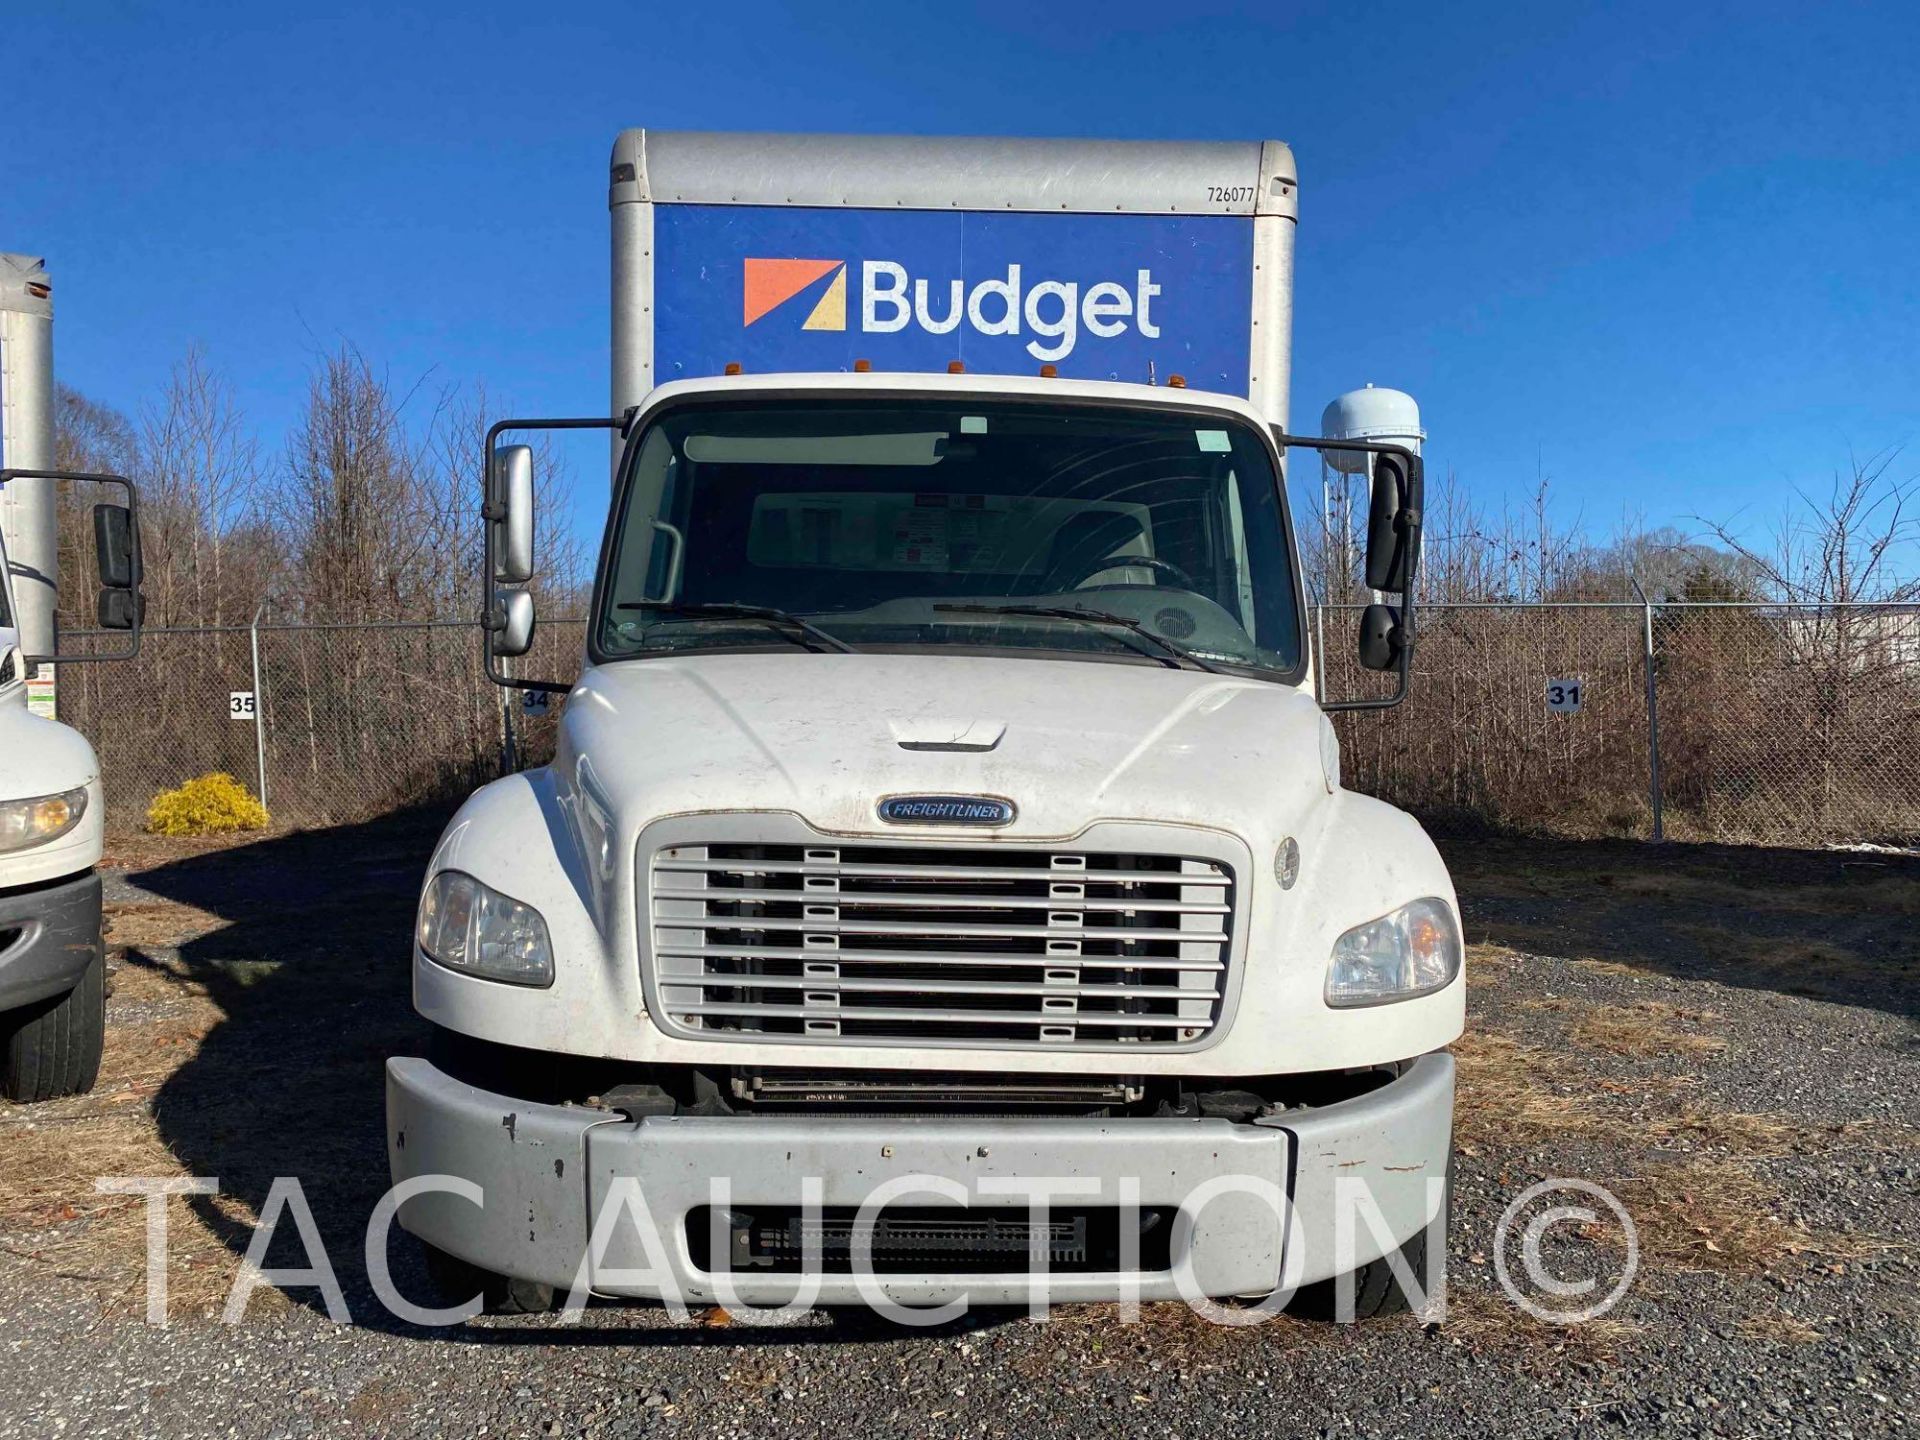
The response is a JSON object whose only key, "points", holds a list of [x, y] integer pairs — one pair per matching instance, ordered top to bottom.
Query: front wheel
{"points": [[52, 1048], [458, 1281], [1377, 1288]]}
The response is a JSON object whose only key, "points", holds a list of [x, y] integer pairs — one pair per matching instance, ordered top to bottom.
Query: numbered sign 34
{"points": [[1564, 696], [240, 705]]}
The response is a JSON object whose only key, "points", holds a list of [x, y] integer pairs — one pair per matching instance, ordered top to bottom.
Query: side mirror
{"points": [[510, 513], [1390, 538], [113, 546], [116, 547], [511, 621], [1381, 640]]}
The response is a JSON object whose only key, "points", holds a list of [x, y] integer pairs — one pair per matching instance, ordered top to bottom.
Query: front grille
{"points": [[943, 945]]}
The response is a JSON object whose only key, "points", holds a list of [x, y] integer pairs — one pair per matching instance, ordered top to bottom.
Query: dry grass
{"points": [[1887, 894], [1812, 966], [1643, 1030], [1504, 1092], [1740, 1133], [50, 1156], [51, 1214], [1702, 1214], [1488, 1321], [1776, 1327], [1077, 1338]]}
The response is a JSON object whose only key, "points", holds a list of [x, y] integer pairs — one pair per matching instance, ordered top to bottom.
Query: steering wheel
{"points": [[1132, 562]]}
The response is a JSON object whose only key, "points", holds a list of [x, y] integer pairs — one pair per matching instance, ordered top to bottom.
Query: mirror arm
{"points": [[490, 622]]}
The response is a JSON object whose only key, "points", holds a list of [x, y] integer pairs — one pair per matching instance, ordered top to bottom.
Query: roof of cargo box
{"points": [[1157, 177]]}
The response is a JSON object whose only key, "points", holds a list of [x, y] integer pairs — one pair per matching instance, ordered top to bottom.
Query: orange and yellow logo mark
{"points": [[772, 283]]}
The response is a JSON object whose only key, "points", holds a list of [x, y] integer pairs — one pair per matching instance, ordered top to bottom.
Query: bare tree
{"points": [[202, 478], [1842, 548]]}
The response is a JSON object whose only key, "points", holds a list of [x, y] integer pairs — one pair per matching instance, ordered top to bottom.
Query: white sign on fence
{"points": [[1563, 696], [536, 702], [240, 705]]}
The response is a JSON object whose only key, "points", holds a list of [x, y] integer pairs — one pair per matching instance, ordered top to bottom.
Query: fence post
{"points": [[259, 707], [1653, 715]]}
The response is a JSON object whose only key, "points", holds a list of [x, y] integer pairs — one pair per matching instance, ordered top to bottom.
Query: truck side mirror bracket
{"points": [[506, 509], [116, 544], [1393, 557]]}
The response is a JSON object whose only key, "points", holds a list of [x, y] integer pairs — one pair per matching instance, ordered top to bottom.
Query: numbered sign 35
{"points": [[1564, 696], [240, 705]]}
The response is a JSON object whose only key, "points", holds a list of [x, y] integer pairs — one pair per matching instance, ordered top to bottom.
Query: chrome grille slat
{"points": [[914, 872], [905, 900], [937, 928], [935, 943], [927, 957], [879, 986]]}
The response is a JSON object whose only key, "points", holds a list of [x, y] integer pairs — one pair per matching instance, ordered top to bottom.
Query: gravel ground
{"points": [[1725, 1038]]}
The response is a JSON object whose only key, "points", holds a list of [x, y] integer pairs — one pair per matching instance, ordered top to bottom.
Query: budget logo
{"points": [[769, 284], [1057, 314]]}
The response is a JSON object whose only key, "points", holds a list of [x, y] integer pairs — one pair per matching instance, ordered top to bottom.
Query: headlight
{"points": [[35, 822], [466, 926], [1414, 951]]}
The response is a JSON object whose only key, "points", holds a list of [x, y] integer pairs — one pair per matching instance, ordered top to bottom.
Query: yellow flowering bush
{"points": [[215, 804]]}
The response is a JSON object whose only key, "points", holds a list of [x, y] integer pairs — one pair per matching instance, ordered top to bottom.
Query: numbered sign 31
{"points": [[1564, 696], [240, 705]]}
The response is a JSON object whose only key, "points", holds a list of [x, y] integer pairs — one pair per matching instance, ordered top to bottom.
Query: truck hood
{"points": [[827, 736], [39, 756]]}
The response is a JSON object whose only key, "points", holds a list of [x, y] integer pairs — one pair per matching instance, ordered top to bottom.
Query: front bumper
{"points": [[49, 934], [549, 1173]]}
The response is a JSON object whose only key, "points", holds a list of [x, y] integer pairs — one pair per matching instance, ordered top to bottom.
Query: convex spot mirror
{"points": [[510, 513], [1387, 532], [113, 546], [119, 608], [512, 622], [1380, 637]]}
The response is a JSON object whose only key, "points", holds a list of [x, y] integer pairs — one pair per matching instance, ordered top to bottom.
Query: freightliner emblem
{"points": [[946, 810]]}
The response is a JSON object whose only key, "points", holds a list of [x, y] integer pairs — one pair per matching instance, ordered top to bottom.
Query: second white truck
{"points": [[944, 887], [52, 962]]}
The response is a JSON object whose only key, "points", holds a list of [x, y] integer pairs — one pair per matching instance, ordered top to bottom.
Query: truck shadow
{"points": [[1834, 925], [308, 967]]}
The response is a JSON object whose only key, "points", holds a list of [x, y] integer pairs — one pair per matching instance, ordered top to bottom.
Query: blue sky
{"points": [[1668, 252]]}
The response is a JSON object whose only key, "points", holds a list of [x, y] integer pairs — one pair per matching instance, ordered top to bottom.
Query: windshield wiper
{"points": [[727, 610], [1173, 654]]}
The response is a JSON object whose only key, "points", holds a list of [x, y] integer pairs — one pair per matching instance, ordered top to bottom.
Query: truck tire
{"points": [[53, 1047], [458, 1281], [1376, 1289]]}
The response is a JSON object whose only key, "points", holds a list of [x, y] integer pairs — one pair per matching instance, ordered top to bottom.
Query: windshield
{"points": [[915, 524]]}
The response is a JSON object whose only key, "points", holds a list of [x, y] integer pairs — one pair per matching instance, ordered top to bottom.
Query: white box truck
{"points": [[943, 888], [52, 965]]}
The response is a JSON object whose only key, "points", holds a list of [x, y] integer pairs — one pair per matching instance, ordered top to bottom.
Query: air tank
{"points": [[1371, 413]]}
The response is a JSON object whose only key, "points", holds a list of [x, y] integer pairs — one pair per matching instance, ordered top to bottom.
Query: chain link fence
{"points": [[327, 723], [1767, 724]]}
